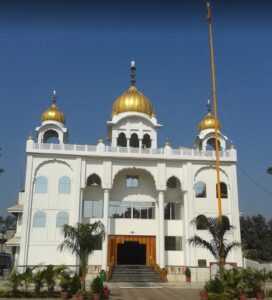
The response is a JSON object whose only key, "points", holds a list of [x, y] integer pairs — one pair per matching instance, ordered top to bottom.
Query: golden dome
{"points": [[132, 100], [53, 113], [208, 121]]}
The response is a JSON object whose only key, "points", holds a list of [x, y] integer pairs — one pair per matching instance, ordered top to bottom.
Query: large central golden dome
{"points": [[132, 100], [53, 113]]}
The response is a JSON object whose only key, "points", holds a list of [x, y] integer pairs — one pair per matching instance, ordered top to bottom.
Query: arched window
{"points": [[51, 136], [122, 140], [134, 141], [146, 141], [211, 144], [93, 180], [172, 182], [41, 185], [64, 185], [200, 190], [224, 190], [39, 219], [62, 219], [201, 222], [226, 222]]}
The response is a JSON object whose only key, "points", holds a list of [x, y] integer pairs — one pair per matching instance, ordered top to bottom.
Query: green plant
{"points": [[81, 241], [218, 246], [187, 272], [50, 274], [27, 277], [14, 280], [38, 280], [65, 281], [75, 284], [97, 285], [214, 285]]}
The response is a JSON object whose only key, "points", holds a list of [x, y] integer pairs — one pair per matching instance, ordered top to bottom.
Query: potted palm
{"points": [[75, 238], [187, 274], [64, 283], [97, 288], [242, 288], [80, 294]]}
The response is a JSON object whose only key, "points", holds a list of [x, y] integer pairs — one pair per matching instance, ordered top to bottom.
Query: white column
{"points": [[140, 143], [105, 222], [186, 224], [161, 229]]}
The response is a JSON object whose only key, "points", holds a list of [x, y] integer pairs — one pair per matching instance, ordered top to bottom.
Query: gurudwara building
{"points": [[145, 195]]}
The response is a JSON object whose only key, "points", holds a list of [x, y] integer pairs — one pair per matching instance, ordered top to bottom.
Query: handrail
{"points": [[161, 272]]}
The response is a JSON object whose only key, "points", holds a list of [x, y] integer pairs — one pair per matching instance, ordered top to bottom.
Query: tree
{"points": [[256, 235], [81, 240], [218, 246]]}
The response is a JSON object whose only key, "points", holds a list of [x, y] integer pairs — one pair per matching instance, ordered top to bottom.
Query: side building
{"points": [[145, 195]]}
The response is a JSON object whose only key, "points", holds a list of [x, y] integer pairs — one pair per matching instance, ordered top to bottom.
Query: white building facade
{"points": [[145, 195]]}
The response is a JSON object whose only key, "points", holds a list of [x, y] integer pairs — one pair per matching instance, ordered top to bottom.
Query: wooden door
{"points": [[149, 241]]}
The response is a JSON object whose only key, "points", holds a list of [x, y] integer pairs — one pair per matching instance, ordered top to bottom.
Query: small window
{"points": [[122, 140], [134, 141], [146, 141], [93, 180], [132, 181], [172, 182], [41, 185], [64, 185], [200, 190], [224, 190], [92, 209], [172, 211], [39, 219], [62, 219], [201, 222], [226, 222], [98, 243], [173, 243], [202, 263]]}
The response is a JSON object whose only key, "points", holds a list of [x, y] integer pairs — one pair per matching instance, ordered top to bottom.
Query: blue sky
{"points": [[83, 50]]}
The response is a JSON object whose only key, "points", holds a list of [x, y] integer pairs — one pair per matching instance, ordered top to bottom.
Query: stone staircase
{"points": [[134, 273]]}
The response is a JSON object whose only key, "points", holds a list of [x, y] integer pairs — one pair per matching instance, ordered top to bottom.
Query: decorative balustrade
{"points": [[101, 149]]}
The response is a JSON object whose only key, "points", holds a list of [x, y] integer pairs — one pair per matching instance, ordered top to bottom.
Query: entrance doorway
{"points": [[131, 249], [131, 253]]}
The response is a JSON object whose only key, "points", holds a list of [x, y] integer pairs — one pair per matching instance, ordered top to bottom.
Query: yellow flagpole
{"points": [[215, 114]]}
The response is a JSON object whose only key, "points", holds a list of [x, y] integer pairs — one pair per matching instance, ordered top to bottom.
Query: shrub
{"points": [[14, 280], [97, 285], [214, 285]]}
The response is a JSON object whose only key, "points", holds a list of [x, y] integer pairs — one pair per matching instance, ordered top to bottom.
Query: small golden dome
{"points": [[132, 100], [53, 113], [208, 121]]}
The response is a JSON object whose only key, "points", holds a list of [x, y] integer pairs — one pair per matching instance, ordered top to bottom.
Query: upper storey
{"points": [[134, 122]]}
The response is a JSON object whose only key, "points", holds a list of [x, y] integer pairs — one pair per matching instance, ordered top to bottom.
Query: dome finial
{"points": [[132, 73], [54, 97], [209, 108]]}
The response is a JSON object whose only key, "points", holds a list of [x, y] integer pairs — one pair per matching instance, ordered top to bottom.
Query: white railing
{"points": [[130, 150]]}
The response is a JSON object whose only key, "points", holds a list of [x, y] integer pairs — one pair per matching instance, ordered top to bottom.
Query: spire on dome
{"points": [[132, 73], [54, 97], [209, 108]]}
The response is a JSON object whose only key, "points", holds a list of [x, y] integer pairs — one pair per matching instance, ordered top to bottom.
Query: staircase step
{"points": [[134, 273]]}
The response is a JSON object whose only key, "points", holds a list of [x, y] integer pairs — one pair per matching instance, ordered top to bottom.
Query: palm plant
{"points": [[81, 240], [218, 246]]}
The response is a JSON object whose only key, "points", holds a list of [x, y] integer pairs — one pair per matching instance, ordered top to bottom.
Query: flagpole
{"points": [[215, 114]]}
